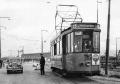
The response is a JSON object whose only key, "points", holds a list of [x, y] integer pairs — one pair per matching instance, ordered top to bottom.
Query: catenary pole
{"points": [[108, 39]]}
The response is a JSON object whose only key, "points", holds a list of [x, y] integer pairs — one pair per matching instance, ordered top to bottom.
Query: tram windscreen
{"points": [[83, 41], [87, 41], [96, 41], [78, 43], [87, 46]]}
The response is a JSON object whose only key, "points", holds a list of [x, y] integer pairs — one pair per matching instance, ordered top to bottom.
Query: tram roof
{"points": [[59, 33]]}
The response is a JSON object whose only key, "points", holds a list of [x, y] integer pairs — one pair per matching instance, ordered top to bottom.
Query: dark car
{"points": [[14, 65]]}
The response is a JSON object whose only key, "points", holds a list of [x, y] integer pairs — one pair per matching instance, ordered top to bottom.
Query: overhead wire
{"points": [[80, 2], [50, 35], [19, 39]]}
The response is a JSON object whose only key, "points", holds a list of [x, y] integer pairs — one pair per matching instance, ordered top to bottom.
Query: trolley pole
{"points": [[108, 40]]}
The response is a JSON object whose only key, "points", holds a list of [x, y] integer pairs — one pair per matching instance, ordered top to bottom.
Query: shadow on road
{"points": [[15, 73], [82, 79]]}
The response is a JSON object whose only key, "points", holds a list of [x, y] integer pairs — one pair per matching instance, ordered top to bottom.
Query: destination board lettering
{"points": [[83, 25]]}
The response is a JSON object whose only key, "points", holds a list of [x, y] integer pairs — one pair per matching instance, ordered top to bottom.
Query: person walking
{"points": [[42, 64]]}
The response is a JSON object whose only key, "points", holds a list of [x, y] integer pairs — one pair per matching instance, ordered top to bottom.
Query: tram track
{"points": [[59, 75], [74, 79], [86, 79]]}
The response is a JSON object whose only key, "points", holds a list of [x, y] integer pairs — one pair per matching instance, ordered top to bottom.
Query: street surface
{"points": [[31, 76]]}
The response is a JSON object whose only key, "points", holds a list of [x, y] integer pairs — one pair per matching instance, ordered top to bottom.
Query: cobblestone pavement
{"points": [[31, 76]]}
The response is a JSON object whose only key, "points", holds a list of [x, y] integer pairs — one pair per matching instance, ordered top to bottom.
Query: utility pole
{"points": [[97, 10], [0, 39], [108, 39], [42, 41], [22, 49], [116, 49], [18, 53]]}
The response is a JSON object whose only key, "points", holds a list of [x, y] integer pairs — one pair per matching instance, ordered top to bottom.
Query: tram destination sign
{"points": [[83, 25]]}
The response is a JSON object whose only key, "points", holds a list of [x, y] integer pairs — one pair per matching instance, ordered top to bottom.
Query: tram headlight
{"points": [[88, 64]]}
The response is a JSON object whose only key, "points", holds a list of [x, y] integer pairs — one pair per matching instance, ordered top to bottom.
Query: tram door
{"points": [[64, 47]]}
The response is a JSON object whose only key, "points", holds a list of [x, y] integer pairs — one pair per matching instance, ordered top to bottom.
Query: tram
{"points": [[76, 49]]}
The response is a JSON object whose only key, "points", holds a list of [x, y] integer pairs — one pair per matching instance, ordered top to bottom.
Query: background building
{"points": [[34, 57]]}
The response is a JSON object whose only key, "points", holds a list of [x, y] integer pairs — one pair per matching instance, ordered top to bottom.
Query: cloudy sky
{"points": [[29, 17]]}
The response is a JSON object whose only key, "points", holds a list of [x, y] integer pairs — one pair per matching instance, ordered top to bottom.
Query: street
{"points": [[31, 76]]}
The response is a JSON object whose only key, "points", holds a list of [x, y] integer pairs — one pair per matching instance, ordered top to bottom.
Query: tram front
{"points": [[85, 49]]}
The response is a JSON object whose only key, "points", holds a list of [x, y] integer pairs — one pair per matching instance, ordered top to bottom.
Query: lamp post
{"points": [[97, 10], [6, 17], [0, 39], [108, 39], [42, 40], [0, 44], [116, 48], [22, 49]]}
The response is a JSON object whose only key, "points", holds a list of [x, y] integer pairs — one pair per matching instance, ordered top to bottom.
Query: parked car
{"points": [[14, 65]]}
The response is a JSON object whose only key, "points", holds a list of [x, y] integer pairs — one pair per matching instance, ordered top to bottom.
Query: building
{"points": [[34, 56]]}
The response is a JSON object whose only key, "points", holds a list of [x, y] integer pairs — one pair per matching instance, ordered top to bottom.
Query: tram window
{"points": [[86, 36], [87, 41], [64, 42], [72, 42], [96, 42], [68, 43], [78, 43], [87, 47], [58, 48], [55, 49], [51, 50]]}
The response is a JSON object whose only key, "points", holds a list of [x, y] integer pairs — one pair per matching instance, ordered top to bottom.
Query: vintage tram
{"points": [[77, 49]]}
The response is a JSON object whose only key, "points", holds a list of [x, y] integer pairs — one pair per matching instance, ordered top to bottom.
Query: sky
{"points": [[29, 17]]}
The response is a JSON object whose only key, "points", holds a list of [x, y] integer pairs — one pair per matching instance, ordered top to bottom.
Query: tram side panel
{"points": [[59, 62], [76, 62], [79, 63]]}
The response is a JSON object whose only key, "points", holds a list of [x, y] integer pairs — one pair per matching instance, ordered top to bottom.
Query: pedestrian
{"points": [[42, 64]]}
